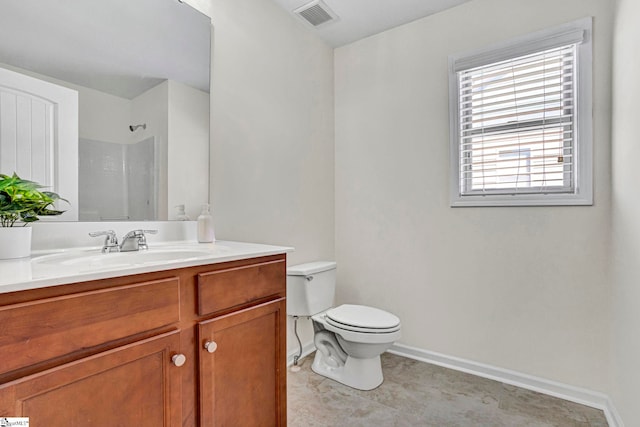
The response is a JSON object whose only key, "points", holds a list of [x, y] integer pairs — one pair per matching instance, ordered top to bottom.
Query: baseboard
{"points": [[307, 349], [574, 394], [612, 414]]}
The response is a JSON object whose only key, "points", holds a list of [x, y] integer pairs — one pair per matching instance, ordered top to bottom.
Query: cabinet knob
{"points": [[210, 346], [179, 359]]}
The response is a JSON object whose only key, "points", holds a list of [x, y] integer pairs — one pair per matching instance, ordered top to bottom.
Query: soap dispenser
{"points": [[181, 215], [205, 226]]}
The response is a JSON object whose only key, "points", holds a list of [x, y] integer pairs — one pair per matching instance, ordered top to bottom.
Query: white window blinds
{"points": [[516, 122]]}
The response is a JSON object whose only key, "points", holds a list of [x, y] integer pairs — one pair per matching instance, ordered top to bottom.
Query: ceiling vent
{"points": [[316, 13]]}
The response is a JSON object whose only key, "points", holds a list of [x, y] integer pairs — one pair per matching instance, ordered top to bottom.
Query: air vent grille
{"points": [[316, 13]]}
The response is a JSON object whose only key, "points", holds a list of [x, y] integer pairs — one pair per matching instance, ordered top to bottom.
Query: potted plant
{"points": [[21, 203]]}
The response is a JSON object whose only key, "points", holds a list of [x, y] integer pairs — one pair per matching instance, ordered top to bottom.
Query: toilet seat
{"points": [[363, 319], [343, 327]]}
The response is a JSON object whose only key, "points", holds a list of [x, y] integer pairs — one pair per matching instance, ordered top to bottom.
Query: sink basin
{"points": [[93, 259]]}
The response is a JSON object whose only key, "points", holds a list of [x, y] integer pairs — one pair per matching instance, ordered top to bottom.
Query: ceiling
{"points": [[362, 18]]}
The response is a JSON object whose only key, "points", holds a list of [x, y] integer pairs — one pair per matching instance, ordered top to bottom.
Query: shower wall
{"points": [[140, 172], [117, 181]]}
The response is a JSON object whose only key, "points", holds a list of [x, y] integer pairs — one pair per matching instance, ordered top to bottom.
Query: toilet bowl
{"points": [[349, 349]]}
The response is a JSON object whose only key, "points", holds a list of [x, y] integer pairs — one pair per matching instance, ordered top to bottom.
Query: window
{"points": [[521, 121]]}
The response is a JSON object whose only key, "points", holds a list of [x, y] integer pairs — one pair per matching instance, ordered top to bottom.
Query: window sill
{"points": [[521, 200]]}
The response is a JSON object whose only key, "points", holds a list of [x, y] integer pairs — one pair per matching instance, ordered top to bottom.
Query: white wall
{"points": [[103, 117], [272, 130], [188, 152], [272, 164], [626, 213], [518, 288]]}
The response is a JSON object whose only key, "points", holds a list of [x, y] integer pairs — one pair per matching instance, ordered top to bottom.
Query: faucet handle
{"points": [[102, 233], [139, 233], [110, 236], [135, 240], [110, 241]]}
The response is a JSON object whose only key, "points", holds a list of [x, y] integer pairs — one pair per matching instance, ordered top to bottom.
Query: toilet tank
{"points": [[310, 288]]}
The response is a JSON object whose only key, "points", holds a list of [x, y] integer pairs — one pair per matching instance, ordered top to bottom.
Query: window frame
{"points": [[582, 193]]}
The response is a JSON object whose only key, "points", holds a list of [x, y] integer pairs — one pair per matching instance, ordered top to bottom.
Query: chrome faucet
{"points": [[135, 240], [110, 241]]}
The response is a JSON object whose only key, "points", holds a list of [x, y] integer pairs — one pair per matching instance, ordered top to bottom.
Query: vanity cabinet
{"points": [[196, 346]]}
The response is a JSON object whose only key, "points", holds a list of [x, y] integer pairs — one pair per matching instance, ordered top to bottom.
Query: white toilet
{"points": [[349, 338]]}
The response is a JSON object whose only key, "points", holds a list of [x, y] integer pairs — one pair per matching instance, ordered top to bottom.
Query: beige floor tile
{"points": [[420, 394]]}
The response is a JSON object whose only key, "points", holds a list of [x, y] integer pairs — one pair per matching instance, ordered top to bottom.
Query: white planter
{"points": [[15, 242]]}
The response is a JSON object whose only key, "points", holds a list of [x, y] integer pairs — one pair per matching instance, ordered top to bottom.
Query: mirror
{"points": [[141, 70]]}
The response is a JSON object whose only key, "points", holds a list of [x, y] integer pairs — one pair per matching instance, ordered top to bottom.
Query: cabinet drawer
{"points": [[223, 289], [41, 330]]}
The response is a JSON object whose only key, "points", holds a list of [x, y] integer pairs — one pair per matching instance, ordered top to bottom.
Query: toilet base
{"points": [[361, 374]]}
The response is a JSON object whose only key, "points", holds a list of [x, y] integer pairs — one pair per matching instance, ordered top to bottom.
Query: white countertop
{"points": [[43, 268]]}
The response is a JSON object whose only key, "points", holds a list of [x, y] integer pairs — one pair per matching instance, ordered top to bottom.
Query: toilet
{"points": [[349, 338]]}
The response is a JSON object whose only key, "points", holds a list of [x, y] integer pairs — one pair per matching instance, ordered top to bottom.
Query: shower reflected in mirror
{"points": [[134, 128]]}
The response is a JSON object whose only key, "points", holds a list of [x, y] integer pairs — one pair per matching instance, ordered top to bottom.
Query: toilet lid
{"points": [[363, 317]]}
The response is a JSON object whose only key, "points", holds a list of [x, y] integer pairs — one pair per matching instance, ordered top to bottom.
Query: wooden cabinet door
{"points": [[243, 378], [133, 385]]}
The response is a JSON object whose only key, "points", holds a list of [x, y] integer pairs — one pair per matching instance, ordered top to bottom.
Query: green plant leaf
{"points": [[21, 200]]}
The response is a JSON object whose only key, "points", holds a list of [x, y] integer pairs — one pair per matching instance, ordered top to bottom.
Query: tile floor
{"points": [[419, 394]]}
